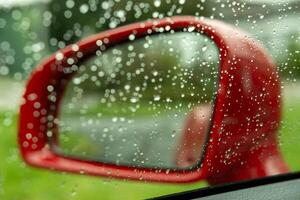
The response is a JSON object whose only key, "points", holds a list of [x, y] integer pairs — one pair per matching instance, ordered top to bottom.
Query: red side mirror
{"points": [[242, 132]]}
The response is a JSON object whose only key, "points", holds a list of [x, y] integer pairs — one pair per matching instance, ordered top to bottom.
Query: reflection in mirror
{"points": [[140, 103]]}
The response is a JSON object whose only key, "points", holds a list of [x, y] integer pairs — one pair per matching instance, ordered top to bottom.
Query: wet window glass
{"points": [[136, 102]]}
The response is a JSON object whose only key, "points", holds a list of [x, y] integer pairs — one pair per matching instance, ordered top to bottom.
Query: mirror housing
{"points": [[246, 114]]}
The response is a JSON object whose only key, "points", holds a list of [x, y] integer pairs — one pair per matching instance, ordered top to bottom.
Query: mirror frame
{"points": [[238, 53]]}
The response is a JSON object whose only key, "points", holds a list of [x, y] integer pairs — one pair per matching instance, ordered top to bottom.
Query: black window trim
{"points": [[213, 190]]}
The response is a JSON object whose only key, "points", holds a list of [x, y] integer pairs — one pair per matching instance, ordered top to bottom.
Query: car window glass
{"points": [[34, 29]]}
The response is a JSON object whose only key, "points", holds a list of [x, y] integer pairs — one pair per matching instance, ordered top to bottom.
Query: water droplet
{"points": [[181, 2], [157, 3], [84, 8], [191, 28], [131, 37], [59, 56], [156, 98], [134, 99]]}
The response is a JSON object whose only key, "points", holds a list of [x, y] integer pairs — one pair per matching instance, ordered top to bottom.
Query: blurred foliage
{"points": [[73, 20], [29, 33], [23, 39], [291, 62]]}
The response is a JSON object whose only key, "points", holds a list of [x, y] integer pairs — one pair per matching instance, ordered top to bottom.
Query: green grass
{"points": [[290, 133], [21, 182]]}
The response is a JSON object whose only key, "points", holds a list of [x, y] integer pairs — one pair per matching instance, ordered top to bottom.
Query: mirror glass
{"points": [[144, 103]]}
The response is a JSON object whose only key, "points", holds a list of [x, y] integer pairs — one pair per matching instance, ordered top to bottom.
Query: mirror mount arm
{"points": [[265, 160]]}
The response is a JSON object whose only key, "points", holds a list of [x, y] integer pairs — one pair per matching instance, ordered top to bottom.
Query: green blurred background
{"points": [[31, 30]]}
